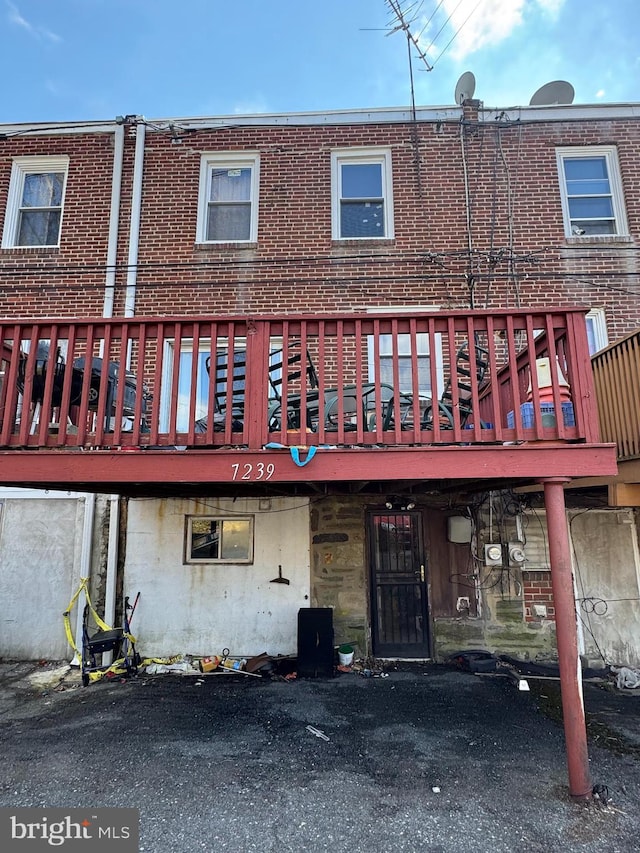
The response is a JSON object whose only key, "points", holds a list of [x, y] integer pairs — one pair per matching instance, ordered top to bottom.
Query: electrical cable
{"points": [[457, 32]]}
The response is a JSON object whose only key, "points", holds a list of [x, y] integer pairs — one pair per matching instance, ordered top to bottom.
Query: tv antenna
{"points": [[404, 25], [556, 92]]}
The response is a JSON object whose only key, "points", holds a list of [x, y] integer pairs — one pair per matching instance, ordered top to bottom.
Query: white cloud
{"points": [[552, 7], [15, 17], [469, 25], [49, 35], [600, 93]]}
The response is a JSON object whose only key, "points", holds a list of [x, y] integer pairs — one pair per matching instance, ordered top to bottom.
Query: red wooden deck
{"points": [[183, 404]]}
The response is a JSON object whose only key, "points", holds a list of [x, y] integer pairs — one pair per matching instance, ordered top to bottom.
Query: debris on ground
{"points": [[178, 666], [626, 677], [47, 679], [317, 732]]}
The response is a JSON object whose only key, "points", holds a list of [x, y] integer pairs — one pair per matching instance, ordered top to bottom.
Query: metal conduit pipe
{"points": [[114, 221], [134, 225], [85, 564], [112, 567]]}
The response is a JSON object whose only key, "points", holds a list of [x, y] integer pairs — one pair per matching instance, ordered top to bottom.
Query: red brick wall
{"points": [[295, 266], [537, 590]]}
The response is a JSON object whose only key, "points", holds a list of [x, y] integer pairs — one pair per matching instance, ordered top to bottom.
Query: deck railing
{"points": [[374, 379], [617, 381]]}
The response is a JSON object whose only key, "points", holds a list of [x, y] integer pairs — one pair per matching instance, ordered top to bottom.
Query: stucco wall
{"points": [[201, 608]]}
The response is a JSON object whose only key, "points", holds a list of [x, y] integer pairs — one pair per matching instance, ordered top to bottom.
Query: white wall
{"points": [[40, 553], [199, 609]]}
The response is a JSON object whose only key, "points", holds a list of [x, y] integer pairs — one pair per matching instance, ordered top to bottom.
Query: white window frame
{"points": [[610, 155], [363, 156], [228, 160], [23, 166], [597, 324], [422, 344], [183, 416], [221, 518]]}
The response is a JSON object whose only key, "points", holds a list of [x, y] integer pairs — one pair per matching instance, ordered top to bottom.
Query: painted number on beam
{"points": [[247, 471]]}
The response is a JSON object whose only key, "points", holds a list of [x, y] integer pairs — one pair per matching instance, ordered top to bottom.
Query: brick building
{"points": [[382, 282]]}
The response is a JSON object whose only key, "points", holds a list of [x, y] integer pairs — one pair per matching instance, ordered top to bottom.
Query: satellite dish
{"points": [[465, 87], [556, 92]]}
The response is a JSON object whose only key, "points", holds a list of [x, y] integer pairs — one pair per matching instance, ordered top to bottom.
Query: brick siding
{"points": [[294, 265], [537, 590]]}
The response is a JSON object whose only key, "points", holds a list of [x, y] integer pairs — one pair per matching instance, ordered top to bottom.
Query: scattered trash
{"points": [[474, 660], [262, 663], [209, 664], [181, 665], [235, 665], [374, 673], [49, 677], [626, 677], [317, 732], [435, 789], [601, 793]]}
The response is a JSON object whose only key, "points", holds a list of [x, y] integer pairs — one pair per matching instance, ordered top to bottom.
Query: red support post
{"points": [[575, 729]]}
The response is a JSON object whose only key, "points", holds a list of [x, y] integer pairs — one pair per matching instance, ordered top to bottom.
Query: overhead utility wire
{"points": [[429, 19], [403, 25], [455, 35], [433, 40]]}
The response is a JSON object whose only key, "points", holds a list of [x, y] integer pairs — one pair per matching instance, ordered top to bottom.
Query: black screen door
{"points": [[400, 625]]}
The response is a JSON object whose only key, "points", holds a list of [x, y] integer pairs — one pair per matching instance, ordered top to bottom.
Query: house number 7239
{"points": [[247, 471]]}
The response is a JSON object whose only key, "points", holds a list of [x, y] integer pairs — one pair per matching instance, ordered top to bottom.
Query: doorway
{"points": [[398, 572]]}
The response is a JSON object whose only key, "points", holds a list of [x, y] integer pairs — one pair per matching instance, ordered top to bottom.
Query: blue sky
{"points": [[73, 60]]}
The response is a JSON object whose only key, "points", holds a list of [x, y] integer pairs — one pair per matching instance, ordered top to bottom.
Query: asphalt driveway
{"points": [[427, 759]]}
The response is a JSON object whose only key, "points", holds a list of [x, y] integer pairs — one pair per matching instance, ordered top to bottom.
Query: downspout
{"points": [[114, 221], [134, 225], [109, 296], [85, 565], [112, 567]]}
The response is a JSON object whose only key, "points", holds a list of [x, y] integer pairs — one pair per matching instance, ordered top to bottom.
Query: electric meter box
{"points": [[459, 529]]}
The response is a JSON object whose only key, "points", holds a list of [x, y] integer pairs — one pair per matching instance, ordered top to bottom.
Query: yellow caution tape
{"points": [[96, 616], [119, 667]]}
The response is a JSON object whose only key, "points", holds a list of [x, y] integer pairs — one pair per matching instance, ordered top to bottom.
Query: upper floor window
{"points": [[591, 190], [35, 202], [228, 206], [362, 206], [596, 330]]}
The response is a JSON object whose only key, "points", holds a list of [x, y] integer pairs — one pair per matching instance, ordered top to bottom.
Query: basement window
{"points": [[219, 539]]}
